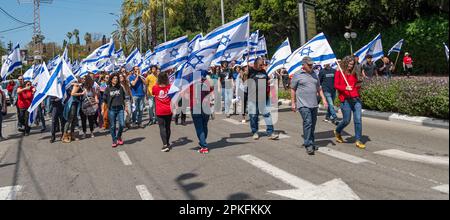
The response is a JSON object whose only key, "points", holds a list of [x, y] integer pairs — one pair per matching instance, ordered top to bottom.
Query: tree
{"points": [[76, 33], [122, 33], [88, 38]]}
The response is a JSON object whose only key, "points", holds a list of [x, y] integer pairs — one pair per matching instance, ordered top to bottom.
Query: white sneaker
{"points": [[244, 121], [92, 135], [255, 136]]}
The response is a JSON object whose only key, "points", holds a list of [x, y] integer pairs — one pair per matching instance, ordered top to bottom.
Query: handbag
{"points": [[89, 107]]}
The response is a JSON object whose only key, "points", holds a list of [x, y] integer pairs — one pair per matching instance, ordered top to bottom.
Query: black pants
{"points": [[181, 111], [41, 116], [73, 118], [85, 118], [23, 119], [58, 120], [164, 128]]}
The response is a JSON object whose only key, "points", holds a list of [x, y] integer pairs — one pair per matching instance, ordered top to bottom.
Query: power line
{"points": [[12, 17], [12, 29]]}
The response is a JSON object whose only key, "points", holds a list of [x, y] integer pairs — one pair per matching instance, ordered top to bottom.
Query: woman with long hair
{"points": [[347, 85], [242, 92], [114, 98], [128, 99], [89, 106], [72, 109], [163, 109]]}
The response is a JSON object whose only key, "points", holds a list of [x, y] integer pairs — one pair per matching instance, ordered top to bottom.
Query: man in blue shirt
{"points": [[137, 91]]}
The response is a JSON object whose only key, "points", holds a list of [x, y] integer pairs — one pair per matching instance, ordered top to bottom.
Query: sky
{"points": [[58, 18]]}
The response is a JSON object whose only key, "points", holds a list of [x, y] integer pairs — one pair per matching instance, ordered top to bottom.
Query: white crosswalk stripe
{"points": [[398, 154], [343, 156], [442, 188], [9, 192]]}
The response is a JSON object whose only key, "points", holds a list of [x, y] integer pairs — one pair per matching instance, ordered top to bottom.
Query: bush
{"points": [[284, 94], [427, 97]]}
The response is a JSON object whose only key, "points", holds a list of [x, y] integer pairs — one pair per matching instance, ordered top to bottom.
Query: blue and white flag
{"points": [[232, 39], [253, 41], [193, 45], [317, 48], [374, 48], [396, 48], [261, 50], [446, 50], [102, 53], [172, 53], [66, 55], [119, 57], [279, 58], [135, 59], [148, 61], [12, 62], [52, 63], [197, 65], [28, 75], [41, 77], [48, 85]]}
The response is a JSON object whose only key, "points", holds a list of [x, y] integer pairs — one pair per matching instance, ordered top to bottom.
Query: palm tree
{"points": [[141, 13], [76, 33], [122, 33], [70, 35], [88, 38]]}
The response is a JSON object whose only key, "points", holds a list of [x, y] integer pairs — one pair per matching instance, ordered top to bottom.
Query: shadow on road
{"points": [[189, 187]]}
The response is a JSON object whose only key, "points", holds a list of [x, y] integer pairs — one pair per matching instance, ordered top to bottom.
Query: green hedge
{"points": [[427, 97]]}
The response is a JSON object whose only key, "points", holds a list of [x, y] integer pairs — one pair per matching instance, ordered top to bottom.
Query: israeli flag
{"points": [[232, 39], [253, 41], [193, 45], [317, 48], [374, 48], [396, 48], [261, 50], [446, 50], [101, 53], [172, 53], [66, 55], [119, 57], [280, 57], [135, 59], [12, 62], [147, 62], [52, 63], [197, 64], [28, 75], [41, 77], [47, 85]]}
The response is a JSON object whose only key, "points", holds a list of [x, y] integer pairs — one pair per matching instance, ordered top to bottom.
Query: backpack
{"points": [[89, 107]]}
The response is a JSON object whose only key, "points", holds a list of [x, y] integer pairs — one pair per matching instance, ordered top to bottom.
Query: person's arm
{"points": [[133, 83], [339, 83], [294, 84], [20, 89], [75, 93], [322, 96]]}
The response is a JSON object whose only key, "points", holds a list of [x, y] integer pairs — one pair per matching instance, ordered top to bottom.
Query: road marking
{"points": [[232, 121], [281, 135], [398, 154], [343, 156], [125, 159], [442, 188], [333, 190], [9, 192], [144, 193]]}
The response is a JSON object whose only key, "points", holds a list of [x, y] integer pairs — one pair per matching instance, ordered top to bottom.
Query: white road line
{"points": [[232, 121], [281, 136], [398, 154], [343, 156], [125, 159], [442, 188], [9, 192], [144, 193]]}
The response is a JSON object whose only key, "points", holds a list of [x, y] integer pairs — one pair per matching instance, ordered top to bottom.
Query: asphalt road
{"points": [[402, 161]]}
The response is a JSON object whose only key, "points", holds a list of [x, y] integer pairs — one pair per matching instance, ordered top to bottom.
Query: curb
{"points": [[390, 116]]}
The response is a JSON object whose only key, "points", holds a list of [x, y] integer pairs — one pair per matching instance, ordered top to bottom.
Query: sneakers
{"points": [[327, 120], [244, 121], [92, 135], [255, 136], [274, 137], [338, 137], [120, 141], [114, 145], [360, 145], [166, 148], [204, 150], [310, 150]]}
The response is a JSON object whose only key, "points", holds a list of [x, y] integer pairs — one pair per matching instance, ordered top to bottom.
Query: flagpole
{"points": [[396, 60], [342, 72]]}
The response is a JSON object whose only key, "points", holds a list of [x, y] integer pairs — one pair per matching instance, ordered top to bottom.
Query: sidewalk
{"points": [[390, 116]]}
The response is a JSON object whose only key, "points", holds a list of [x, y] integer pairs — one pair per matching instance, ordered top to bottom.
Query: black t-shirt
{"points": [[326, 77], [256, 79], [114, 96]]}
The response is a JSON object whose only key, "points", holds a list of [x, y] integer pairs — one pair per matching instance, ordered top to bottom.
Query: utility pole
{"points": [[223, 12], [164, 17], [302, 24]]}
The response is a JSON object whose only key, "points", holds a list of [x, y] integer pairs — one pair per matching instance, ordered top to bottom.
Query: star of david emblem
{"points": [[225, 40], [191, 48], [306, 51], [98, 53], [174, 53], [227, 56], [8, 61], [135, 61], [195, 61], [147, 62]]}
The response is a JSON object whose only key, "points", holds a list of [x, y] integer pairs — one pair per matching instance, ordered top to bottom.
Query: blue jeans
{"points": [[228, 98], [347, 108], [151, 110], [254, 112], [331, 113], [116, 114], [137, 114], [309, 116], [201, 128]]}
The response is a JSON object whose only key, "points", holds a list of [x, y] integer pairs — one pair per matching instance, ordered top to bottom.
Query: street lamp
{"points": [[350, 36]]}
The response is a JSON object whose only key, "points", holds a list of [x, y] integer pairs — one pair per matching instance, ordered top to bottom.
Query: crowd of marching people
{"points": [[116, 102]]}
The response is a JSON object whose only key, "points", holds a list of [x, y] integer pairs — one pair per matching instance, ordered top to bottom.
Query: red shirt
{"points": [[407, 60], [340, 85], [10, 87], [25, 98], [162, 100]]}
